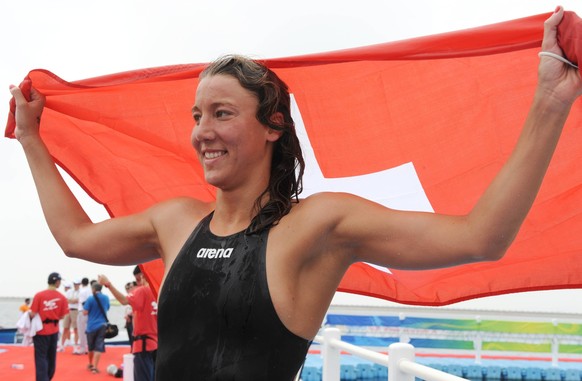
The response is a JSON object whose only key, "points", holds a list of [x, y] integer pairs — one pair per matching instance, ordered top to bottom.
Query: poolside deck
{"points": [[69, 366]]}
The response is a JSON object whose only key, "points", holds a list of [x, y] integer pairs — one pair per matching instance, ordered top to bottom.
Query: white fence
{"points": [[400, 360]]}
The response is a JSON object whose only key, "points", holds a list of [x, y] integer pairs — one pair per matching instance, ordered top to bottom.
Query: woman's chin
{"points": [[215, 181]]}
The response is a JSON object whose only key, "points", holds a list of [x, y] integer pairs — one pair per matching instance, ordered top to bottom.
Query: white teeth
{"points": [[213, 155]]}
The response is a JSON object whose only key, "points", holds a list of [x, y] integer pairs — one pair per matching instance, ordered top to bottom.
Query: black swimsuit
{"points": [[216, 319]]}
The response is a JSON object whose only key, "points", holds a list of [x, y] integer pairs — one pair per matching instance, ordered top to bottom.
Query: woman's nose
{"points": [[202, 130]]}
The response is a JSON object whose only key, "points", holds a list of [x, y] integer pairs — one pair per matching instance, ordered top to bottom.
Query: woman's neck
{"points": [[233, 212]]}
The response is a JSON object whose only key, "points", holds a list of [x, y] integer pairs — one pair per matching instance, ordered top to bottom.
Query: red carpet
{"points": [[69, 367]]}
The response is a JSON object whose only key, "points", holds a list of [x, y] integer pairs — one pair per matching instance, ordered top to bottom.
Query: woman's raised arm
{"points": [[122, 241]]}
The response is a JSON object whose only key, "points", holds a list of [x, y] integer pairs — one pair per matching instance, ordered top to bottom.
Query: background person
{"points": [[84, 293], [51, 306], [24, 307], [128, 313], [66, 321], [70, 321], [96, 323], [145, 324]]}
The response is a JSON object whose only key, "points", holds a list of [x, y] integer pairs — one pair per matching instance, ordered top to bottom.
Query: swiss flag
{"points": [[422, 124]]}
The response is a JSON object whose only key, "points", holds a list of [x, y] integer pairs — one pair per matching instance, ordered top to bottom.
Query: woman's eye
{"points": [[221, 113], [196, 118]]}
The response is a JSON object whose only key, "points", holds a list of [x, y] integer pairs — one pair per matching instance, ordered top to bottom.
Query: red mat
{"points": [[69, 366]]}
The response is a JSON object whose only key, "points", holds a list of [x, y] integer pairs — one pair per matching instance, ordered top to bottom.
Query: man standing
{"points": [[84, 293], [51, 306], [96, 307], [70, 321], [145, 324]]}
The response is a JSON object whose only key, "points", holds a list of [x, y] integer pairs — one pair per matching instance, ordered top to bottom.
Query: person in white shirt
{"points": [[84, 293], [70, 321]]}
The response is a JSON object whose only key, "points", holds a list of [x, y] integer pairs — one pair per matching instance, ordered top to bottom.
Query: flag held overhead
{"points": [[420, 124]]}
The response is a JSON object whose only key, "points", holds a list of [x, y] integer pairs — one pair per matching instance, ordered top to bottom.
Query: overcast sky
{"points": [[76, 39]]}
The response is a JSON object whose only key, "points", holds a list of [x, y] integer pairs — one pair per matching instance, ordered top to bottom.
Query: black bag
{"points": [[111, 330]]}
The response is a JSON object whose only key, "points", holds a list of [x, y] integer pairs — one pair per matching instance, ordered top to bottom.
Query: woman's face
{"points": [[232, 145]]}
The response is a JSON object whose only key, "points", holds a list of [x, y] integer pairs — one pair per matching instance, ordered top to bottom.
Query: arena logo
{"points": [[214, 253]]}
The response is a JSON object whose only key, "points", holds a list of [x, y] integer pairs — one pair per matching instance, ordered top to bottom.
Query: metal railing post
{"points": [[478, 344], [555, 351], [396, 353], [331, 355]]}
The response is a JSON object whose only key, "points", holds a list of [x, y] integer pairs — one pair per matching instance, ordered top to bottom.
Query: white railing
{"points": [[400, 360]]}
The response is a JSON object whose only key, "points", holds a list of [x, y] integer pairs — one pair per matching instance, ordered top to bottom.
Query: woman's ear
{"points": [[272, 134]]}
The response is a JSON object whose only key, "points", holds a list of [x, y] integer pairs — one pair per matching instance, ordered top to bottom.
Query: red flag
{"points": [[419, 124]]}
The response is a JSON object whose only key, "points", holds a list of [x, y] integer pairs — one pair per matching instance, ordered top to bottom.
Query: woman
{"points": [[249, 277]]}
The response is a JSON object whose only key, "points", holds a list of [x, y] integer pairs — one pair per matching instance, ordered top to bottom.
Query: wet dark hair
{"points": [[287, 164]]}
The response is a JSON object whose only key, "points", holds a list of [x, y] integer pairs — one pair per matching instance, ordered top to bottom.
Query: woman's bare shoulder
{"points": [[318, 197], [325, 201], [180, 206], [318, 211], [178, 214], [174, 219]]}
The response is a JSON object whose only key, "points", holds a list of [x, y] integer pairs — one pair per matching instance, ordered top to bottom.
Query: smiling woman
{"points": [[147, 33], [249, 130], [252, 314]]}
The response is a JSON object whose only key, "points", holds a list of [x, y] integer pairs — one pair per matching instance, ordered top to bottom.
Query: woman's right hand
{"points": [[556, 79], [28, 113]]}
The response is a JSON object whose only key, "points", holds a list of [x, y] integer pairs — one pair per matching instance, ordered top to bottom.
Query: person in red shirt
{"points": [[51, 306], [145, 324]]}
